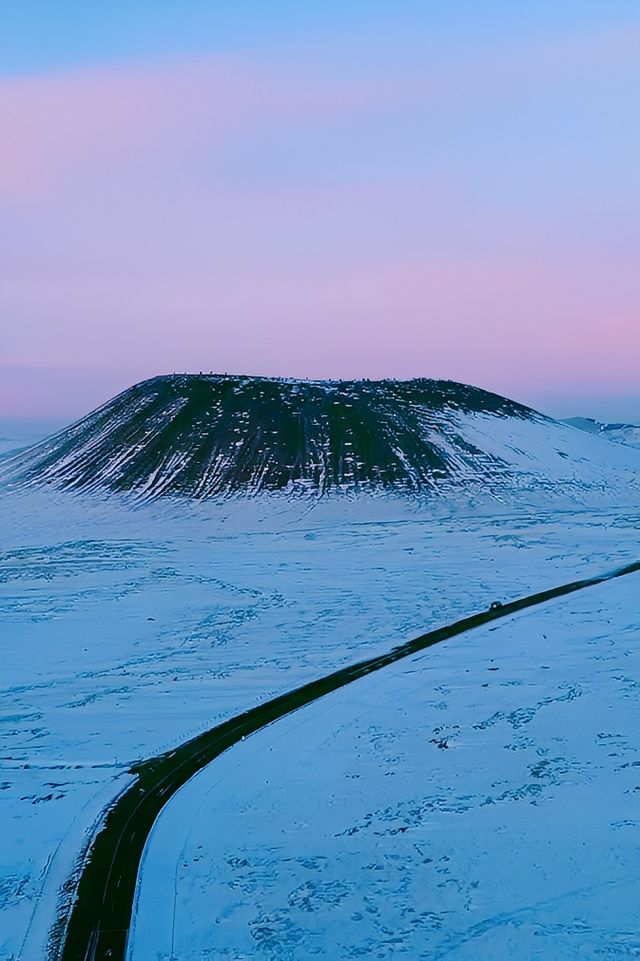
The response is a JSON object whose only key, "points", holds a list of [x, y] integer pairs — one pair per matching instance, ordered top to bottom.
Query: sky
{"points": [[379, 189]]}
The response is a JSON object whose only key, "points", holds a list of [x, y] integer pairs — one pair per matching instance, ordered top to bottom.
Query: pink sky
{"points": [[472, 219]]}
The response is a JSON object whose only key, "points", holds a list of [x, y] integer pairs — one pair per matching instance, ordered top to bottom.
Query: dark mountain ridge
{"points": [[202, 436]]}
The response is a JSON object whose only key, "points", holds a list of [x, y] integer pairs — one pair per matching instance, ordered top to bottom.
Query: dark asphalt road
{"points": [[100, 916]]}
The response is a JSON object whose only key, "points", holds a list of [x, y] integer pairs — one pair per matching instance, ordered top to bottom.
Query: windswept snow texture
{"points": [[124, 633], [480, 802]]}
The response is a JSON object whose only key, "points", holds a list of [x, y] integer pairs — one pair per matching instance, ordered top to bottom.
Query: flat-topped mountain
{"points": [[203, 436]]}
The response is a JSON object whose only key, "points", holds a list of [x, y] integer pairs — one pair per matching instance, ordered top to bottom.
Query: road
{"points": [[98, 925]]}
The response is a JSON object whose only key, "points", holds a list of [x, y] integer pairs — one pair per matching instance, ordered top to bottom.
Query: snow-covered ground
{"points": [[16, 433], [127, 631], [478, 802]]}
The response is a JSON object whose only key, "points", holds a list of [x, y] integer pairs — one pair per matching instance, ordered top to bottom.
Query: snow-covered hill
{"points": [[619, 433], [204, 436]]}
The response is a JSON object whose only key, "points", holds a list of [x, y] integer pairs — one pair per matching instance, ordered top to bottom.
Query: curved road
{"points": [[99, 919]]}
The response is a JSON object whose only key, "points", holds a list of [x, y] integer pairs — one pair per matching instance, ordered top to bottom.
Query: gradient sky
{"points": [[444, 189]]}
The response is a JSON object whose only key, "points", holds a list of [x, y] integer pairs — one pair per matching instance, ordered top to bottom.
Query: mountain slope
{"points": [[203, 436]]}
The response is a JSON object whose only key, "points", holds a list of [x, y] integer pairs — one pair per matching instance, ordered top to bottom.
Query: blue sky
{"points": [[39, 35]]}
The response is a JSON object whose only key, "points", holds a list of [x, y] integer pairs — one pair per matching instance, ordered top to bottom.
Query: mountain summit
{"points": [[204, 436]]}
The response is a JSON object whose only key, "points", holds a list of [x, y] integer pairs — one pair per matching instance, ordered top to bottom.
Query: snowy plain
{"points": [[17, 433], [125, 629], [478, 801]]}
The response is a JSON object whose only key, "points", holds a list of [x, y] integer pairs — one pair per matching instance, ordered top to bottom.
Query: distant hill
{"points": [[619, 433], [204, 436]]}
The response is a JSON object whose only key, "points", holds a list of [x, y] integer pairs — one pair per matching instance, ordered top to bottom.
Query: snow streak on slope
{"points": [[203, 436]]}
